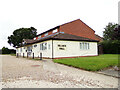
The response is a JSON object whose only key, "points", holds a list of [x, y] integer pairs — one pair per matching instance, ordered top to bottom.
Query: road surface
{"points": [[24, 73]]}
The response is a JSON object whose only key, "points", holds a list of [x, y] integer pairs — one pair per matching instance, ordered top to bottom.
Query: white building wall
{"points": [[73, 49], [36, 50], [45, 53]]}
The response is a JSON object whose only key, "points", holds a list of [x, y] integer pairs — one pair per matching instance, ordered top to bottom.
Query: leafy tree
{"points": [[109, 32], [20, 34], [116, 35], [111, 42], [111, 47], [5, 50]]}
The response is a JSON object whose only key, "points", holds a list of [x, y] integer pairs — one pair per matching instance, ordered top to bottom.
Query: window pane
{"points": [[46, 34], [80, 45], [85, 45], [49, 46], [88, 46]]}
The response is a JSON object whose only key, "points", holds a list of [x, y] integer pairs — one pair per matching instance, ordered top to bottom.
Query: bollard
{"points": [[17, 54], [27, 54], [23, 55], [33, 55], [40, 56]]}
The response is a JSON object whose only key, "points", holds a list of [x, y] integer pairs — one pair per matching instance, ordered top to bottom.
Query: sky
{"points": [[46, 14]]}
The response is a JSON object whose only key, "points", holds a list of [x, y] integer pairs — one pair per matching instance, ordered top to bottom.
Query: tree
{"points": [[109, 32], [22, 33], [116, 35], [111, 42], [5, 50]]}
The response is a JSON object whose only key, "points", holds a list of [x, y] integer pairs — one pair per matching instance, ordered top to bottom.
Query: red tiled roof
{"points": [[76, 27], [98, 37]]}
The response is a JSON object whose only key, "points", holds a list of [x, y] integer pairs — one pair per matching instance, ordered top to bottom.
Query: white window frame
{"points": [[39, 36], [43, 46], [49, 46], [84, 46], [21, 49], [17, 50]]}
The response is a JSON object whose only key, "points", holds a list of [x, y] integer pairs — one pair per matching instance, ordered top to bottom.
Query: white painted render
{"points": [[72, 49], [36, 50]]}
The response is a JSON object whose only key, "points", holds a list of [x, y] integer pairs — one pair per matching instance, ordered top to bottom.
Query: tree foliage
{"points": [[109, 32], [20, 34], [116, 35], [111, 42], [111, 47], [5, 50]]}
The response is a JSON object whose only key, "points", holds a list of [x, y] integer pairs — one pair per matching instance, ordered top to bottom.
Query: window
{"points": [[54, 31], [46, 34], [39, 37], [80, 45], [43, 46], [48, 46], [84, 46], [61, 47], [21, 49], [29, 49], [17, 50]]}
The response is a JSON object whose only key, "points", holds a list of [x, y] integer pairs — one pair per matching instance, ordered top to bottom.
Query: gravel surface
{"points": [[24, 73]]}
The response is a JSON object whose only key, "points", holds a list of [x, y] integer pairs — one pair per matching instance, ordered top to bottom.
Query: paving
{"points": [[110, 72], [24, 73]]}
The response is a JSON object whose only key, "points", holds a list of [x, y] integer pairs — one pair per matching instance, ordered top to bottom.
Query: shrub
{"points": [[111, 47]]}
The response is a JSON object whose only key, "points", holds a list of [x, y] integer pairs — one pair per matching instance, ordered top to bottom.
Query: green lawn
{"points": [[9, 54], [91, 63]]}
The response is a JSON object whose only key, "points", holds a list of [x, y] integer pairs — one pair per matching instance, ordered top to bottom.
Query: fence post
{"points": [[33, 55], [40, 56]]}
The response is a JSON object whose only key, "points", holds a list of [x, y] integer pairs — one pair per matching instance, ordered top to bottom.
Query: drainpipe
{"points": [[52, 50]]}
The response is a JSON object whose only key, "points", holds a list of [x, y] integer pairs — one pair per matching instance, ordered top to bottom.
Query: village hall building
{"points": [[72, 39]]}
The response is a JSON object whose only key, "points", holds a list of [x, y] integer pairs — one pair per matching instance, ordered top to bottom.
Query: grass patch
{"points": [[9, 54], [13, 54], [36, 59], [91, 63]]}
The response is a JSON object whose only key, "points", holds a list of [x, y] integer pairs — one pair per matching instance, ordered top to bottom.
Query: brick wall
{"points": [[78, 28]]}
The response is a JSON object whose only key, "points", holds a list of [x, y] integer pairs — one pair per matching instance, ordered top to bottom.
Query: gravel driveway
{"points": [[24, 73]]}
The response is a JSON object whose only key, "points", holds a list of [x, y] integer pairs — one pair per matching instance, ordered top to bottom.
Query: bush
{"points": [[111, 47], [5, 50]]}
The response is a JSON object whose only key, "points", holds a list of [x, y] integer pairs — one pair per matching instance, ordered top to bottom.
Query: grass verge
{"points": [[9, 54], [91, 63]]}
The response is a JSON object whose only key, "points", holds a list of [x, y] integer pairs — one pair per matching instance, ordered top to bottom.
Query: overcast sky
{"points": [[46, 14]]}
